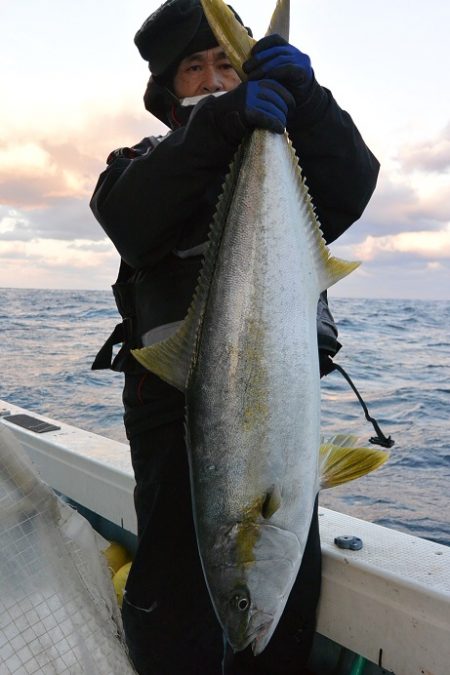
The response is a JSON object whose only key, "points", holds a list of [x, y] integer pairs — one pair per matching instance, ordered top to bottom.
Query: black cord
{"points": [[380, 439]]}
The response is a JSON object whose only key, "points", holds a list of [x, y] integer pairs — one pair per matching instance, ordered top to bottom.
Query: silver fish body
{"points": [[247, 359], [253, 397]]}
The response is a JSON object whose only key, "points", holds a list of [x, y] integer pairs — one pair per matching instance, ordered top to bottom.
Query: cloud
{"points": [[28, 154], [431, 155], [45, 164], [32, 173], [29, 175], [46, 180], [411, 197], [398, 206], [409, 212], [63, 219], [46, 227], [48, 236], [403, 241], [424, 245], [92, 246], [55, 253], [55, 264], [397, 276]]}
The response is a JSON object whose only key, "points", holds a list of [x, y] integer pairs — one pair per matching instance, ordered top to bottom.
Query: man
{"points": [[156, 201]]}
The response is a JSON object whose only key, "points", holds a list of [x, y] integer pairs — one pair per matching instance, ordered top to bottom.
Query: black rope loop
{"points": [[380, 438]]}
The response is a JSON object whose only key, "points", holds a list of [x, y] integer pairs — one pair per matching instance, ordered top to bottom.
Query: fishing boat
{"points": [[385, 602]]}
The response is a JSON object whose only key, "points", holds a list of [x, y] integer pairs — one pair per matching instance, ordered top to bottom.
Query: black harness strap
{"points": [[122, 333], [104, 357]]}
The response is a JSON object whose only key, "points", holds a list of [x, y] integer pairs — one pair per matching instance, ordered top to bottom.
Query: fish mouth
{"points": [[257, 637], [261, 637], [261, 641]]}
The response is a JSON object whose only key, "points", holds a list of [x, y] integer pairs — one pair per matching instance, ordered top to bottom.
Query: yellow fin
{"points": [[279, 23], [230, 34], [329, 269], [334, 269], [171, 359], [343, 458]]}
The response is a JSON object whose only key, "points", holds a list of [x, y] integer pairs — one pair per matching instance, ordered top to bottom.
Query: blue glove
{"points": [[274, 58], [262, 104], [267, 105]]}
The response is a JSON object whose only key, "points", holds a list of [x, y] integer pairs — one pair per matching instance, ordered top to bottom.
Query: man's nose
{"points": [[212, 81]]}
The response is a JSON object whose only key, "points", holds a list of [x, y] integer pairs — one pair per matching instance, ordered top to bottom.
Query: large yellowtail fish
{"points": [[246, 357]]}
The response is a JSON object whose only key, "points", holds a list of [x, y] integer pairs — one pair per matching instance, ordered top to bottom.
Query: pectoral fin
{"points": [[171, 359], [343, 458], [271, 503]]}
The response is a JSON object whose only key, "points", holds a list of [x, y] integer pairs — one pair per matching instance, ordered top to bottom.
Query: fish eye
{"points": [[241, 603]]}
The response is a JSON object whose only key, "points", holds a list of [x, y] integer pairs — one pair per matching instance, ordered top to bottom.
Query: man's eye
{"points": [[194, 69]]}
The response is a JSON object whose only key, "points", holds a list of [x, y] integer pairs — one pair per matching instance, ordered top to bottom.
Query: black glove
{"points": [[274, 58], [262, 104]]}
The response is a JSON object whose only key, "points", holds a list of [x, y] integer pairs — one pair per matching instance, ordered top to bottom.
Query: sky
{"points": [[72, 83]]}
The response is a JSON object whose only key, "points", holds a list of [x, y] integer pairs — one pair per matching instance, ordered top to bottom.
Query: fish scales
{"points": [[246, 357], [253, 397]]}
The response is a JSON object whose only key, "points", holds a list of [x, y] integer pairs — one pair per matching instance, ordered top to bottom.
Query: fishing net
{"points": [[58, 610]]}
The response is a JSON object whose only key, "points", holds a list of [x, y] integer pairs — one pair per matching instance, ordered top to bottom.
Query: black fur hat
{"points": [[175, 30]]}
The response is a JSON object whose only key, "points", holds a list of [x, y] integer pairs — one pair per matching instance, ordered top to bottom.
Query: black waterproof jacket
{"points": [[156, 200]]}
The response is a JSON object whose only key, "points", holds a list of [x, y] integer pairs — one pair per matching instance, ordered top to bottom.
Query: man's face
{"points": [[204, 73]]}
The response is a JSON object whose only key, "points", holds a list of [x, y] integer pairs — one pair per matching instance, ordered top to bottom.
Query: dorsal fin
{"points": [[279, 23], [329, 269]]}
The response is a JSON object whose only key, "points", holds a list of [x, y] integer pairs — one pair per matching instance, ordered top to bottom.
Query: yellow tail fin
{"points": [[279, 23], [230, 34]]}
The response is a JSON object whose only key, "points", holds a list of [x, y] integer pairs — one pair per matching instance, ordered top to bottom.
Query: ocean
{"points": [[396, 351]]}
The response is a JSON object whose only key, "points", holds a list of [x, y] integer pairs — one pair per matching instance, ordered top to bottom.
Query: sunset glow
{"points": [[74, 83]]}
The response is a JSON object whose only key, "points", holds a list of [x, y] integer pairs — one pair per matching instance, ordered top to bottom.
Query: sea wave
{"points": [[396, 351]]}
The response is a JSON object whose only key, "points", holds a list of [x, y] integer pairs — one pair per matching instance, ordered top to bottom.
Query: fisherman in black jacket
{"points": [[156, 201]]}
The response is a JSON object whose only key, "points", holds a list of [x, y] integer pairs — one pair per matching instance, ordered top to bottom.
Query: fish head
{"points": [[254, 569]]}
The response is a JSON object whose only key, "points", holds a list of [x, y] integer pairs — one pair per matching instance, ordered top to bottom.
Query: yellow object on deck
{"points": [[116, 556], [120, 580]]}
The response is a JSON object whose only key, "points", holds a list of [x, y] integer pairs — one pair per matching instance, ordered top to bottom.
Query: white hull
{"points": [[389, 602]]}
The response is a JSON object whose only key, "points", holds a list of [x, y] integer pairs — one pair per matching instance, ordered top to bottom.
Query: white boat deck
{"points": [[389, 602]]}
